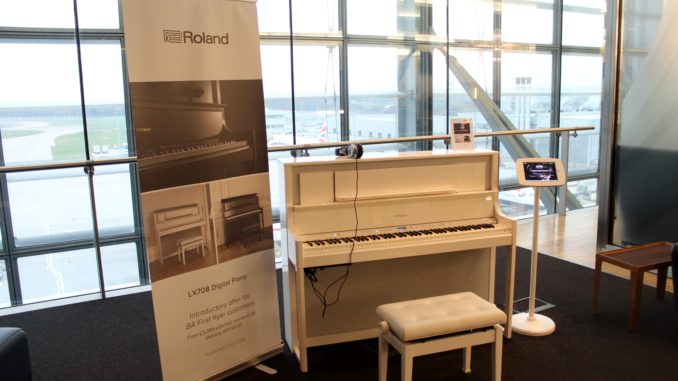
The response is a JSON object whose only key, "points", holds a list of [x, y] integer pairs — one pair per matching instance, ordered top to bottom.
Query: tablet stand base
{"points": [[537, 325]]}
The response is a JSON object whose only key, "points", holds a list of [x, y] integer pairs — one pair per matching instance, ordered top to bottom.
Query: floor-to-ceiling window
{"points": [[333, 70], [339, 70], [68, 185]]}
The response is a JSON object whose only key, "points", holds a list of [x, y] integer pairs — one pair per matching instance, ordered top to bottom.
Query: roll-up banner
{"points": [[198, 114]]}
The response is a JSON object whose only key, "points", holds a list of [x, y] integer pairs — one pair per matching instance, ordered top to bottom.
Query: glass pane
{"points": [[37, 14], [98, 14], [101, 14], [274, 16], [313, 16], [361, 18], [410, 18], [439, 18], [471, 19], [529, 21], [584, 22], [478, 64], [276, 69], [316, 87], [526, 89], [380, 98], [439, 99], [105, 100], [526, 101], [40, 102], [580, 105], [507, 167], [586, 191], [113, 193], [519, 203], [49, 206], [121, 265], [58, 275], [5, 300]]}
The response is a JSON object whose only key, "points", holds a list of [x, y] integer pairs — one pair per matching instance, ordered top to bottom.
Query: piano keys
{"points": [[184, 136], [410, 225], [416, 240]]}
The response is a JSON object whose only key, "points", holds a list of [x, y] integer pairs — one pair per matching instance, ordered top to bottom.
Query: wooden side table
{"points": [[637, 259]]}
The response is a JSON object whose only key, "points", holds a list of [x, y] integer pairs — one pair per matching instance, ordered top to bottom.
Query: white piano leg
{"points": [[509, 286], [301, 319]]}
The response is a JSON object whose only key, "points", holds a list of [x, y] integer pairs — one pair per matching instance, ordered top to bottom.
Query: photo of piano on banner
{"points": [[186, 132], [197, 226]]}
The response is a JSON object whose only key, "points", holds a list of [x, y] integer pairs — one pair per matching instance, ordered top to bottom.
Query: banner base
{"points": [[278, 349]]}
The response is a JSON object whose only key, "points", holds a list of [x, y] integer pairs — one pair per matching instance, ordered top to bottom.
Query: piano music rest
{"points": [[193, 243]]}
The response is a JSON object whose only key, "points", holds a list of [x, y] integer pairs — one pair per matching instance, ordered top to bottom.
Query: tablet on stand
{"points": [[537, 173]]}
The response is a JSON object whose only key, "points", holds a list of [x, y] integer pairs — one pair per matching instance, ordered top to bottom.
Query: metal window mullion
{"points": [[496, 64], [556, 69], [343, 72], [447, 72], [612, 72], [424, 78], [292, 93], [555, 141], [8, 238], [11, 268]]}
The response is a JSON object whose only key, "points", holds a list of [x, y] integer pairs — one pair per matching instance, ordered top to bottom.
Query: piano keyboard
{"points": [[190, 152], [405, 241]]}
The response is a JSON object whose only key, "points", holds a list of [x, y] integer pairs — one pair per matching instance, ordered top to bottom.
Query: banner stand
{"points": [[197, 107], [248, 364]]}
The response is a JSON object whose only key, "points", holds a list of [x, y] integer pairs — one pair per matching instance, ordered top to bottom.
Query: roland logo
{"points": [[191, 37], [401, 215]]}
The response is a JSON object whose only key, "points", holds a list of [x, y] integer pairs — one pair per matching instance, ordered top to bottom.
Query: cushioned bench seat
{"points": [[440, 323]]}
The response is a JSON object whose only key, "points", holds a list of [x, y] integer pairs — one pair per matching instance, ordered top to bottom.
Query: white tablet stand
{"points": [[538, 173]]}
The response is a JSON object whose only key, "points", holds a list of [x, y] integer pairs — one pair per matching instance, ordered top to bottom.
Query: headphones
{"points": [[353, 151]]}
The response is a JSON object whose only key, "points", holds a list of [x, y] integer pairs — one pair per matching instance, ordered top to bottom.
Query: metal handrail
{"points": [[425, 138], [132, 159], [66, 165]]}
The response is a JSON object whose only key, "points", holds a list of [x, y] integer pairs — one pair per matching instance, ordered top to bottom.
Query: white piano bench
{"points": [[193, 243], [438, 324]]}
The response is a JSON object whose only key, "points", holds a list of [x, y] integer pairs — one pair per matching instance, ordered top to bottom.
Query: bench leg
{"points": [[497, 349], [383, 357], [467, 360], [406, 364]]}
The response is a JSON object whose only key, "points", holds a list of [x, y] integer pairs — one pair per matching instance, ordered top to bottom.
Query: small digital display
{"points": [[545, 171]]}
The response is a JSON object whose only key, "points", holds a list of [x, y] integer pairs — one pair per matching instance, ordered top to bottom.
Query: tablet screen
{"points": [[536, 171]]}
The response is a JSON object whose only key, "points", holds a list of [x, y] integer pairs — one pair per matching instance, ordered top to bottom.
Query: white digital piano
{"points": [[410, 224]]}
